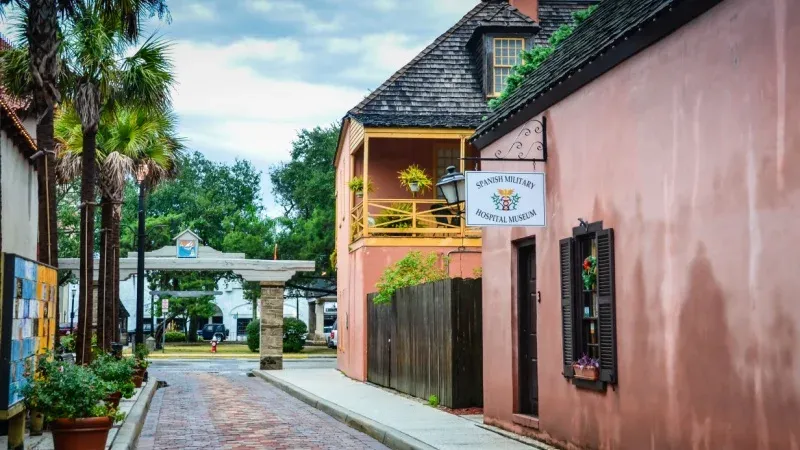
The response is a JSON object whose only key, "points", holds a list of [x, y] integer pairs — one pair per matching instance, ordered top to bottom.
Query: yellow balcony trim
{"points": [[418, 133], [470, 242]]}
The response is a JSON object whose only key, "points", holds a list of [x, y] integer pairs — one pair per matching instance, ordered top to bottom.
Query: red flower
{"points": [[586, 264]]}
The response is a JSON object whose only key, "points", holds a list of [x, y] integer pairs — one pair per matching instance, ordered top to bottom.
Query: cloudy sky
{"points": [[251, 73]]}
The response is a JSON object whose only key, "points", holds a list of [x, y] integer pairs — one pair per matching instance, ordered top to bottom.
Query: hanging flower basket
{"points": [[413, 186]]}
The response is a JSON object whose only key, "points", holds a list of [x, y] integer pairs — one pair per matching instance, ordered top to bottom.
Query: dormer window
{"points": [[506, 55]]}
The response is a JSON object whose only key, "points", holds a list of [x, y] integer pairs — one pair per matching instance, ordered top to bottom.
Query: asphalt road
{"points": [[213, 404]]}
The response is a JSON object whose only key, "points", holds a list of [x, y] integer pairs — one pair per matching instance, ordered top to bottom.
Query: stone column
{"points": [[319, 307], [312, 321], [271, 346]]}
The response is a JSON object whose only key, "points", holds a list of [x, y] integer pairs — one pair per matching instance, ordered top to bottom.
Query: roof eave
{"points": [[603, 61]]}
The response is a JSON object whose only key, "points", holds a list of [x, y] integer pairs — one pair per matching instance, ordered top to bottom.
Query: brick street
{"points": [[217, 406]]}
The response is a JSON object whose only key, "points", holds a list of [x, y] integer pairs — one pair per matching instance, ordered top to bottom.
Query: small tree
{"points": [[415, 268], [294, 334], [253, 335]]}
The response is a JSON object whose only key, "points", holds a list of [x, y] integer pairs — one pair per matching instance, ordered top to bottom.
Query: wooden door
{"points": [[528, 367]]}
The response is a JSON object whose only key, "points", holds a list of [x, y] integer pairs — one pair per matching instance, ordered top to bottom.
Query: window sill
{"points": [[597, 386], [526, 421]]}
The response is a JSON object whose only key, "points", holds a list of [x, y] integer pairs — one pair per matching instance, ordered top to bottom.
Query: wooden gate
{"points": [[428, 341]]}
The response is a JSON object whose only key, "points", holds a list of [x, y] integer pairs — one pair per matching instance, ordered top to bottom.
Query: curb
{"points": [[229, 356], [128, 434], [388, 436]]}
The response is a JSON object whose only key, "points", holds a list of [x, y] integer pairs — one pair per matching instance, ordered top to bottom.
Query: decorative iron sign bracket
{"points": [[530, 142]]}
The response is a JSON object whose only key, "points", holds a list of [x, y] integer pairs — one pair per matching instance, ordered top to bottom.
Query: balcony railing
{"points": [[410, 218]]}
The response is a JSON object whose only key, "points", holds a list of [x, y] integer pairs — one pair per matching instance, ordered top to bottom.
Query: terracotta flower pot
{"points": [[590, 373], [137, 380], [113, 399], [37, 423], [81, 434]]}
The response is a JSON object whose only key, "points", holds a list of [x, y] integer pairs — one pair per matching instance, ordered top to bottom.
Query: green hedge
{"points": [[294, 331], [253, 335], [175, 336]]}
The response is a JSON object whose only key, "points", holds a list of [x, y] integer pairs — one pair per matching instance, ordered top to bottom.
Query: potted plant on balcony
{"points": [[415, 179], [356, 185], [587, 368], [118, 373], [71, 398]]}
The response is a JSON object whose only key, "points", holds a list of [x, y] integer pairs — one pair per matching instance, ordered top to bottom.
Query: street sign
{"points": [[505, 199], [164, 306]]}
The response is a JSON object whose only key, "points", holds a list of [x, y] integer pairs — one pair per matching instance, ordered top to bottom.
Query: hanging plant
{"points": [[415, 179], [356, 185], [589, 274]]}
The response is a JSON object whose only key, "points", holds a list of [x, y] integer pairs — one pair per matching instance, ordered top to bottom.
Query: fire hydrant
{"points": [[214, 345]]}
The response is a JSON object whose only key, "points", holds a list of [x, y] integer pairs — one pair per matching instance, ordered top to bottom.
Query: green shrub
{"points": [[415, 268], [294, 331], [253, 335], [175, 336], [68, 343], [117, 372], [67, 391], [433, 401]]}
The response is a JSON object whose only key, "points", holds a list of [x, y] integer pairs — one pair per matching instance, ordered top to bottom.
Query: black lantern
{"points": [[451, 185]]}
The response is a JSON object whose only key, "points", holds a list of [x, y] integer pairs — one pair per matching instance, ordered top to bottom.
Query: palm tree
{"points": [[42, 35], [95, 49], [126, 141]]}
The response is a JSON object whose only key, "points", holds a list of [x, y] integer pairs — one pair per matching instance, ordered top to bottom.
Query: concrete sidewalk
{"points": [[395, 420]]}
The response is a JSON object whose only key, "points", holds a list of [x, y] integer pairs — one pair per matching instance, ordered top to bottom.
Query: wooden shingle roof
{"points": [[554, 13], [617, 30], [439, 88]]}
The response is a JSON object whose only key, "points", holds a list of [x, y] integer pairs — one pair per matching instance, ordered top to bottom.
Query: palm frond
{"points": [[15, 71], [146, 77]]}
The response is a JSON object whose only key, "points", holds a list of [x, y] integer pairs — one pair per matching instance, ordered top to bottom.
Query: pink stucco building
{"points": [[422, 115], [674, 133]]}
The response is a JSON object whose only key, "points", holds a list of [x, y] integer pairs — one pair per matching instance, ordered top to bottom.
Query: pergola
{"points": [[189, 254]]}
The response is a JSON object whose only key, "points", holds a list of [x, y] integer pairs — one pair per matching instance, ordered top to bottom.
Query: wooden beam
{"points": [[418, 133], [463, 154], [365, 198], [469, 242]]}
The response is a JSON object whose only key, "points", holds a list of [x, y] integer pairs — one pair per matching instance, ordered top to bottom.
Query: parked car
{"points": [[147, 328], [64, 329], [213, 329], [326, 331], [333, 340]]}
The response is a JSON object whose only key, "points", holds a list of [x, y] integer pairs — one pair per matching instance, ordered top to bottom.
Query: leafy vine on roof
{"points": [[533, 58]]}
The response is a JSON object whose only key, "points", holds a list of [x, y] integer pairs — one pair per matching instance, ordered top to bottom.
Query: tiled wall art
{"points": [[29, 291]]}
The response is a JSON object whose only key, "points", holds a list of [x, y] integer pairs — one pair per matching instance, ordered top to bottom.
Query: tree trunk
{"points": [[43, 49], [115, 239], [105, 277], [191, 335], [83, 344]]}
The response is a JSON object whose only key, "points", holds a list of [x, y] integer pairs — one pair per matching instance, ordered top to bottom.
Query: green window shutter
{"points": [[567, 321], [607, 328]]}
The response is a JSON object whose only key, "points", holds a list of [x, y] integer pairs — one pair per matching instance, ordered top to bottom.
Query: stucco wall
{"points": [[691, 152], [20, 201], [367, 264]]}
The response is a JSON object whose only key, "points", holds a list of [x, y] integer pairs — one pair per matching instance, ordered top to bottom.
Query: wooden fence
{"points": [[428, 341]]}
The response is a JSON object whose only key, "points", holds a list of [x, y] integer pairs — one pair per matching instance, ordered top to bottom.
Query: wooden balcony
{"points": [[409, 218]]}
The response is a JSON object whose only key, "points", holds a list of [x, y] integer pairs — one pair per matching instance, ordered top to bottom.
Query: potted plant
{"points": [[415, 179], [356, 185], [589, 273], [140, 364], [587, 368], [118, 373], [70, 397]]}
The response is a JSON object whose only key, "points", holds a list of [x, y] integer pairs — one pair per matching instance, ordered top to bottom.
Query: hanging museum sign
{"points": [[505, 199]]}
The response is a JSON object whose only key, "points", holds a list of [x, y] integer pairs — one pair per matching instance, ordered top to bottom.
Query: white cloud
{"points": [[201, 12], [295, 12], [380, 55], [229, 106]]}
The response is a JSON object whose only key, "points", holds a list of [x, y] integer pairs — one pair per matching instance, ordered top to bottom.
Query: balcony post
{"points": [[462, 166], [365, 199]]}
